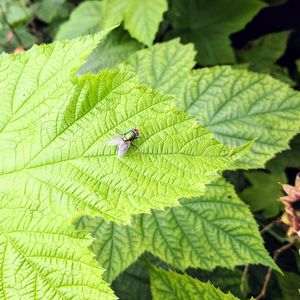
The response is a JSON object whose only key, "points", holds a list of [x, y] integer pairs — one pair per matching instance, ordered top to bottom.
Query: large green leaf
{"points": [[141, 17], [208, 25], [236, 105], [54, 135], [216, 229], [42, 257], [169, 285]]}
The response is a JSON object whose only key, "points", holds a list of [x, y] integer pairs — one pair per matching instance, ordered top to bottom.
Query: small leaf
{"points": [[141, 17], [87, 18], [208, 25], [265, 51], [264, 192], [169, 285]]}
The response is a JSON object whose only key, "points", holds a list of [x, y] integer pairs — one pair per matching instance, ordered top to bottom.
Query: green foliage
{"points": [[141, 17], [85, 19], [208, 25], [115, 48], [265, 51], [226, 101], [58, 114], [65, 127], [265, 191], [216, 229], [38, 248], [289, 285], [172, 286]]}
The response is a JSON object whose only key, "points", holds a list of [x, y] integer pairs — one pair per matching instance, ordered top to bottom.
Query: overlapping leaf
{"points": [[116, 47], [236, 105], [216, 229], [169, 285]]}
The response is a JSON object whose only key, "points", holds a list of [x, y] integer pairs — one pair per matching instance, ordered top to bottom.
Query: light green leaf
{"points": [[141, 17], [87, 18], [208, 25], [116, 47], [164, 66], [236, 105], [239, 106], [54, 135], [216, 229], [37, 245], [42, 257], [169, 285]]}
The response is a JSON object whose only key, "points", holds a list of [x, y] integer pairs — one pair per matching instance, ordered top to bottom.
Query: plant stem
{"points": [[5, 20], [279, 251]]}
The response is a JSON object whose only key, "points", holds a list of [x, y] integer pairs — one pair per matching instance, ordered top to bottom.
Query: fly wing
{"points": [[116, 141], [122, 149]]}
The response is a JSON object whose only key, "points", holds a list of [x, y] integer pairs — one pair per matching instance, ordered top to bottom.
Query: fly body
{"points": [[123, 141]]}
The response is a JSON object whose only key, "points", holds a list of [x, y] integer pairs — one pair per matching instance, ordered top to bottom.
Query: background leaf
{"points": [[141, 17], [208, 25]]}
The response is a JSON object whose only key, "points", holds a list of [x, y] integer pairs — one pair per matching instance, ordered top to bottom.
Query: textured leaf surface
{"points": [[141, 17], [208, 25], [115, 48], [164, 66], [236, 105], [54, 135], [216, 229], [37, 246], [42, 257], [169, 285]]}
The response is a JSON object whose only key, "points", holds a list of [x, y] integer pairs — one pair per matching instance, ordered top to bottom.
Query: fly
{"points": [[123, 141]]}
